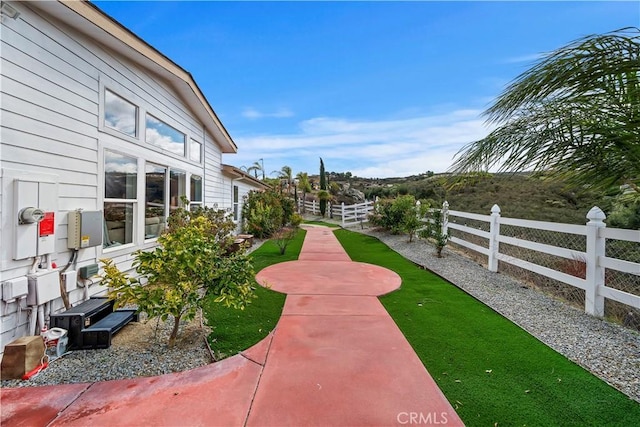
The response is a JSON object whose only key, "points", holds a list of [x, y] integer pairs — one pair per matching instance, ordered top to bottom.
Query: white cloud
{"points": [[530, 58], [252, 113], [166, 142], [383, 148]]}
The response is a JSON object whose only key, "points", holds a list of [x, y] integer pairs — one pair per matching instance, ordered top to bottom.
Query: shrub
{"points": [[266, 212], [398, 215], [296, 220], [190, 262]]}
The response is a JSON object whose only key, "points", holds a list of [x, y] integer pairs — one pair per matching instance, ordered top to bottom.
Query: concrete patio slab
{"points": [[329, 278], [331, 305], [258, 353], [344, 371], [219, 394], [36, 406]]}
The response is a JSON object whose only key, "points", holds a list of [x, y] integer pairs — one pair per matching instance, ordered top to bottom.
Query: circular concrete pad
{"points": [[329, 277]]}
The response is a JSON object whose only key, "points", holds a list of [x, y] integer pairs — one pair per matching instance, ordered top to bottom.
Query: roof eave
{"points": [[117, 37], [239, 173]]}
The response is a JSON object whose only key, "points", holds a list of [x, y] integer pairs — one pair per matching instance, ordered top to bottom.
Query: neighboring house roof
{"points": [[90, 20], [240, 174]]}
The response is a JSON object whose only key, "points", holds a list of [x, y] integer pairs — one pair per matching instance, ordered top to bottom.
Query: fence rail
{"points": [[353, 214], [350, 215], [602, 262]]}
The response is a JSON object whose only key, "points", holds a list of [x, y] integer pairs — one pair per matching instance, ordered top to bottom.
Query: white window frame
{"points": [[136, 118], [185, 136], [200, 151], [133, 202], [235, 202], [194, 203], [165, 207]]}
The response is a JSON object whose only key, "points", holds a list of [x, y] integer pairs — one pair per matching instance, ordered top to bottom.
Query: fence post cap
{"points": [[445, 204], [495, 209], [596, 215]]}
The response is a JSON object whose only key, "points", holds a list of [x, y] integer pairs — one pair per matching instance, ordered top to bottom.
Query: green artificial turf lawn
{"points": [[237, 330], [493, 372]]}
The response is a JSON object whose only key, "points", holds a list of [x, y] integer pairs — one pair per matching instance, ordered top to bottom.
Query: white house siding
{"points": [[52, 85], [214, 192]]}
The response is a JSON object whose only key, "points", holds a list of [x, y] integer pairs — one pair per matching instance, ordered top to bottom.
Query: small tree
{"points": [[323, 187], [324, 197], [412, 220], [433, 231], [283, 237], [191, 261]]}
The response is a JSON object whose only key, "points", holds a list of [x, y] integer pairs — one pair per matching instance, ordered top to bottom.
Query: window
{"points": [[120, 114], [164, 136], [195, 151], [120, 187], [177, 188], [196, 191], [155, 200], [235, 203]]}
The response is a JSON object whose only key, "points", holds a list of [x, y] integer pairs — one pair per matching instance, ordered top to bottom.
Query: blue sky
{"points": [[379, 89]]}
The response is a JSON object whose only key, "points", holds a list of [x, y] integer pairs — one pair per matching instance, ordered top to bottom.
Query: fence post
{"points": [[313, 207], [418, 209], [342, 214], [445, 218], [494, 233], [594, 303]]}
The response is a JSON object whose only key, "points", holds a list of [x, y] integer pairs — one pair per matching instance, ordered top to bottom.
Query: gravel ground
{"points": [[138, 350], [608, 350]]}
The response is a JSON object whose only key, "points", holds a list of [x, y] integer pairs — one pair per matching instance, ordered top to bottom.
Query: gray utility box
{"points": [[85, 229]]}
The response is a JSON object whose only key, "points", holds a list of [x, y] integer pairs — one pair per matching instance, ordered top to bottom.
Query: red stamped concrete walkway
{"points": [[336, 358]]}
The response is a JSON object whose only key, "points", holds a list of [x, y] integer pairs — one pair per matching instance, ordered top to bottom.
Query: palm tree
{"points": [[575, 114], [255, 168], [285, 173], [304, 185]]}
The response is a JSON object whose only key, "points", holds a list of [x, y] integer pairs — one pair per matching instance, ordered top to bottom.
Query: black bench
{"points": [[80, 317], [92, 323], [99, 334]]}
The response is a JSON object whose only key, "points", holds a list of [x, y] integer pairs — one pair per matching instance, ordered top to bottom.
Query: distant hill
{"points": [[523, 195]]}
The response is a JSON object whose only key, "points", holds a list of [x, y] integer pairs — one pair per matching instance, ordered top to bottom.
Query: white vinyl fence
{"points": [[350, 215], [603, 262]]}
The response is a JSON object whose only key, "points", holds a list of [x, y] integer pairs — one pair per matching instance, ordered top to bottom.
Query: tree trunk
{"points": [[174, 332]]}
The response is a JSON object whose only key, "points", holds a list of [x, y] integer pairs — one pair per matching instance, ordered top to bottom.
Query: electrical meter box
{"points": [[84, 229]]}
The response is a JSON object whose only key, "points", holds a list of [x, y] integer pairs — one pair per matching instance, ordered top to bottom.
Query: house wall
{"points": [[53, 137], [244, 187]]}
